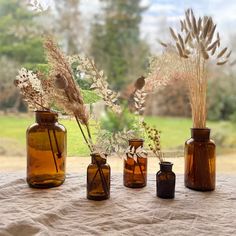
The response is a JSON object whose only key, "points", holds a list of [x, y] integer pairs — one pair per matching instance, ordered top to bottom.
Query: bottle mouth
{"points": [[46, 116], [200, 134], [136, 142], [97, 154], [98, 158], [166, 165]]}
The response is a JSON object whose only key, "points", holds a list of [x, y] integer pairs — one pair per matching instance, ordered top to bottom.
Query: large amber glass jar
{"points": [[46, 151], [200, 161], [135, 165], [98, 178], [165, 180]]}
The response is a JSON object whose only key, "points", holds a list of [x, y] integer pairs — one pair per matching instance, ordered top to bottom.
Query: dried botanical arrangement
{"points": [[195, 45], [31, 89], [34, 93], [67, 94], [107, 141], [154, 141]]}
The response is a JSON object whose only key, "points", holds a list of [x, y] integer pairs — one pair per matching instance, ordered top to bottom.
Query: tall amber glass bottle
{"points": [[46, 151], [200, 161], [135, 172], [98, 178]]}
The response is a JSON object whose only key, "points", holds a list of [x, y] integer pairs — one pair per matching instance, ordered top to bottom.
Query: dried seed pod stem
{"points": [[173, 34], [181, 41], [214, 44], [179, 50], [203, 51], [222, 52], [221, 63]]}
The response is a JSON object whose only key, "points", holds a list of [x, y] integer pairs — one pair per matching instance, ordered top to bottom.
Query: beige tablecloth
{"points": [[66, 211]]}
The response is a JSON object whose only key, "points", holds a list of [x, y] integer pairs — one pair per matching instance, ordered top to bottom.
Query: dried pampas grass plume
{"points": [[62, 86], [67, 92]]}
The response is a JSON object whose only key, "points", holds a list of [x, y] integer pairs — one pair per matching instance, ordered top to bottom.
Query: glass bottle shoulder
{"points": [[36, 127], [192, 141], [169, 173]]}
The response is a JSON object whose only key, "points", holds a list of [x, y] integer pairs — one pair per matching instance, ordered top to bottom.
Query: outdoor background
{"points": [[120, 35]]}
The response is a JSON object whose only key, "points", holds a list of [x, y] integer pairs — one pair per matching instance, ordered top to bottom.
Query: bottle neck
{"points": [[46, 117], [200, 134], [136, 143], [97, 159], [166, 166]]}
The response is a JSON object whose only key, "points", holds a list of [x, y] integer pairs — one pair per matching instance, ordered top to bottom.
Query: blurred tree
{"points": [[67, 25], [20, 40], [115, 42], [20, 43], [222, 97], [171, 100]]}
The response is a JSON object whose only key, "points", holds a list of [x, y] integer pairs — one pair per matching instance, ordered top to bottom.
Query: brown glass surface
{"points": [[46, 152], [200, 161], [135, 173], [98, 179], [165, 181]]}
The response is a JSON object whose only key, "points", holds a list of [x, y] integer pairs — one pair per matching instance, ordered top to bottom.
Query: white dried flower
{"points": [[31, 89]]}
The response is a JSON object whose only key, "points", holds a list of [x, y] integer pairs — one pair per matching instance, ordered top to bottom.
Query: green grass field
{"points": [[174, 132]]}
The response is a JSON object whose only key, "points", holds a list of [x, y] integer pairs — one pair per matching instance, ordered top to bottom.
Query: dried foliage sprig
{"points": [[195, 44], [99, 81], [62, 86], [31, 89], [139, 101], [154, 141], [114, 142], [131, 152]]}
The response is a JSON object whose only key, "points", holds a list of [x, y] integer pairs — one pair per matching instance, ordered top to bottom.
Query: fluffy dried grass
{"points": [[194, 46], [62, 87]]}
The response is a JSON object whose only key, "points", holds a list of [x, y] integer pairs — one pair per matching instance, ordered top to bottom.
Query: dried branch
{"points": [[99, 81], [154, 141]]}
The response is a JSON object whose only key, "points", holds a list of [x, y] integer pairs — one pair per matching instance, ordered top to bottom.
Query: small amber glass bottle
{"points": [[46, 151], [200, 161], [135, 172], [98, 178], [165, 180]]}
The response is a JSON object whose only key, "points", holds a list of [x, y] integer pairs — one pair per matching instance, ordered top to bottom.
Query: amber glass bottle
{"points": [[46, 151], [200, 161], [135, 172], [98, 178], [165, 180]]}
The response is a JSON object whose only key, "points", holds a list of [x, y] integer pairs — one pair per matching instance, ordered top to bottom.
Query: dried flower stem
{"points": [[84, 136], [154, 141], [51, 146]]}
